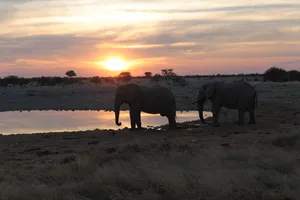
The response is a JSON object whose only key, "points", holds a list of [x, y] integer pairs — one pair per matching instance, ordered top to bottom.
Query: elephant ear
{"points": [[210, 90], [201, 92]]}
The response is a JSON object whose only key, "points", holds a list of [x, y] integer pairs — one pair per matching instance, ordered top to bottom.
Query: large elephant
{"points": [[238, 95], [153, 100]]}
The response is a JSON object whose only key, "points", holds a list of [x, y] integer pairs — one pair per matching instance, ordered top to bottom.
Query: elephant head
{"points": [[206, 92], [124, 94]]}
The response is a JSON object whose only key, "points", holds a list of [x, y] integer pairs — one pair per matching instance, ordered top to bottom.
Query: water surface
{"points": [[57, 121]]}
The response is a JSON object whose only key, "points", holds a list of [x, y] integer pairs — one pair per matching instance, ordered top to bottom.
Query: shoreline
{"points": [[100, 98], [33, 122]]}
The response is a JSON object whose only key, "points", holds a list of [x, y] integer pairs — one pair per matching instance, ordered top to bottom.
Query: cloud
{"points": [[222, 9], [56, 35], [40, 62]]}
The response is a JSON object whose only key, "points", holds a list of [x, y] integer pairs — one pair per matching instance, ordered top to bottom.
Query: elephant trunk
{"points": [[200, 104], [117, 112]]}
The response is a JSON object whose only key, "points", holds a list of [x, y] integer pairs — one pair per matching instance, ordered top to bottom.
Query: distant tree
{"points": [[71, 73], [148, 74], [168, 74], [275, 74], [294, 75], [124, 77], [11, 80], [96, 80]]}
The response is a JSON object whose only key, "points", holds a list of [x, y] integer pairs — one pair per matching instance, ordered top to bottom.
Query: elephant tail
{"points": [[256, 104]]}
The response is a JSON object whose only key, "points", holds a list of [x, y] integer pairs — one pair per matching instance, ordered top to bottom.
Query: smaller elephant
{"points": [[238, 95], [153, 100]]}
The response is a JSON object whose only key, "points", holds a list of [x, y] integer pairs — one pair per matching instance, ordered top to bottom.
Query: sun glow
{"points": [[115, 64]]}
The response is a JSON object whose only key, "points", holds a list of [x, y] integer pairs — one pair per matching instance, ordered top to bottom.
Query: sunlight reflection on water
{"points": [[57, 121]]}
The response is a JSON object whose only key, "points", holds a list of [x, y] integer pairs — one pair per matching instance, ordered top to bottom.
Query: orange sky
{"points": [[47, 38]]}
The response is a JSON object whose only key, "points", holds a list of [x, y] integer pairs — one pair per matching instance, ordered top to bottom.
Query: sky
{"points": [[49, 37]]}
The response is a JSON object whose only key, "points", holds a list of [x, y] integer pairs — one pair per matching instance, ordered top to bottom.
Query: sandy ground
{"points": [[101, 97], [229, 162]]}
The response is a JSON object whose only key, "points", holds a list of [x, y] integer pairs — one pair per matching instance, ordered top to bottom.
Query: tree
{"points": [[71, 73], [168, 73], [148, 74], [275, 74], [294, 75], [124, 77], [11, 80]]}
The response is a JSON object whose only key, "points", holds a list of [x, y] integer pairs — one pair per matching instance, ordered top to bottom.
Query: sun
{"points": [[115, 64]]}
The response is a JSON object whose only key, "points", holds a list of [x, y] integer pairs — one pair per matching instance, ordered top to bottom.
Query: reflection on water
{"points": [[55, 121]]}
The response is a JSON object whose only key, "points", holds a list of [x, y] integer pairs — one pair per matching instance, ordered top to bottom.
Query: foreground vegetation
{"points": [[187, 164]]}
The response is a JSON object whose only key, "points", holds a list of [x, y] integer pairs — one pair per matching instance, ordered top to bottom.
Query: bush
{"points": [[148, 74], [276, 75], [294, 75], [124, 77], [156, 78], [13, 80], [96, 80], [109, 80], [177, 80], [49, 81]]}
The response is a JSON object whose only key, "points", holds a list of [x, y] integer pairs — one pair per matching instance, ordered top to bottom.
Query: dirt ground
{"points": [[259, 161]]}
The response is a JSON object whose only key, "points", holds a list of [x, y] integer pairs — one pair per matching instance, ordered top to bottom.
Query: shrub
{"points": [[148, 74], [276, 75], [294, 75], [124, 77], [156, 78], [96, 80], [179, 80]]}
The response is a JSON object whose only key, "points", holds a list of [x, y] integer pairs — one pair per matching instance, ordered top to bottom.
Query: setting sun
{"points": [[115, 64]]}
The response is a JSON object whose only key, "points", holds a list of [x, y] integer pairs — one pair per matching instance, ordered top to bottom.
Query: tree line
{"points": [[273, 74]]}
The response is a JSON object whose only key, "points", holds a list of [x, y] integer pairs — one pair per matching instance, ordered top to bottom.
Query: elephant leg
{"points": [[215, 111], [241, 116], [251, 117], [132, 118], [138, 119], [172, 122]]}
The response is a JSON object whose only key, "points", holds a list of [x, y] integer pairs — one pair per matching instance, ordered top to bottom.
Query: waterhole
{"points": [[15, 122]]}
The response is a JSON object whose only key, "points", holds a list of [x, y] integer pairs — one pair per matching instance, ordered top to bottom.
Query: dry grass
{"points": [[162, 170]]}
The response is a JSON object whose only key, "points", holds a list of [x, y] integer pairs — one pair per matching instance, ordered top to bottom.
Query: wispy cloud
{"points": [[193, 37]]}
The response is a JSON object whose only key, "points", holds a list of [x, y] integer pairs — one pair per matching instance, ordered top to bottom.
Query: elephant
{"points": [[238, 95], [150, 99]]}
